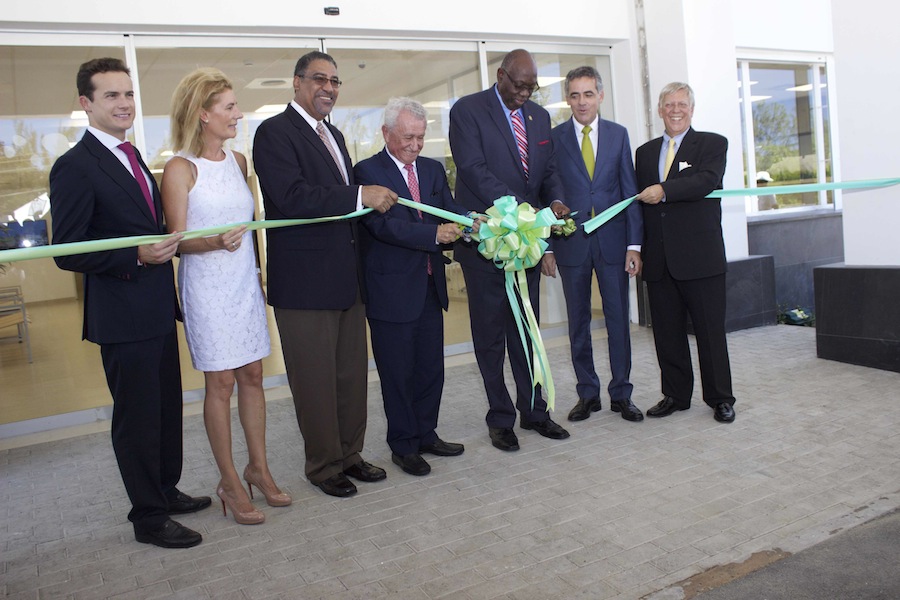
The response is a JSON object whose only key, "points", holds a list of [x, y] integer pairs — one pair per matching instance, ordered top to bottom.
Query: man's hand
{"points": [[652, 194], [378, 197], [559, 209], [448, 233], [160, 252], [633, 262], [548, 265]]}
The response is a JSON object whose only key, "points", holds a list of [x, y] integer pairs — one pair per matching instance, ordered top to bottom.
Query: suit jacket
{"points": [[488, 164], [613, 181], [94, 196], [684, 232], [397, 244], [310, 267]]}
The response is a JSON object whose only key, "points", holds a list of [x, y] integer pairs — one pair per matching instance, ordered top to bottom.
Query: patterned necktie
{"points": [[320, 129], [521, 139], [128, 149], [587, 151], [670, 158], [413, 184]]}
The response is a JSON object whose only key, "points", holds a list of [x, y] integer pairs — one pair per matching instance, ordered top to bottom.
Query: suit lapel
{"points": [[498, 114], [313, 139], [570, 147], [685, 152], [116, 171], [398, 182]]}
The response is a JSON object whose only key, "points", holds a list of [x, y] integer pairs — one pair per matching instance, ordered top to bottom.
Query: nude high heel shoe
{"points": [[273, 497], [251, 517]]}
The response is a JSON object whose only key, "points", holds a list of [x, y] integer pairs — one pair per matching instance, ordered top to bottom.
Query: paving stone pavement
{"points": [[619, 510]]}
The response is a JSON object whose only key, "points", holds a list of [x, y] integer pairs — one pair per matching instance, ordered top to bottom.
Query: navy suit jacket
{"points": [[488, 164], [613, 181], [93, 196], [684, 232], [398, 243], [310, 267]]}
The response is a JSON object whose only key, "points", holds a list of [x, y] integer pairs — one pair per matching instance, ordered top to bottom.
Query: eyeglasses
{"points": [[321, 80], [521, 87]]}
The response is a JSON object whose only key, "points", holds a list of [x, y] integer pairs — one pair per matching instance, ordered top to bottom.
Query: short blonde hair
{"points": [[196, 92]]}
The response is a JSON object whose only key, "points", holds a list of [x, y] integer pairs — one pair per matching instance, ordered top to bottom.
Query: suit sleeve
{"points": [[467, 148], [283, 164], [708, 176], [628, 184], [74, 205], [387, 227]]}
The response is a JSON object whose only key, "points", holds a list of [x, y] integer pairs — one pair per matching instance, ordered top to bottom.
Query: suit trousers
{"points": [[613, 282], [671, 302], [494, 333], [410, 360], [326, 363], [145, 381]]}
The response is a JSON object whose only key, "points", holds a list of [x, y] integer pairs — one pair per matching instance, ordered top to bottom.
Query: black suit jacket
{"points": [[488, 164], [93, 196], [684, 233], [398, 243], [310, 267]]}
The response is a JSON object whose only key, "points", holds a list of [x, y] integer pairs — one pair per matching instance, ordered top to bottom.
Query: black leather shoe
{"points": [[666, 407], [583, 409], [629, 411], [724, 412], [547, 428], [504, 438], [441, 448], [412, 464], [363, 471], [337, 485], [183, 503], [172, 534]]}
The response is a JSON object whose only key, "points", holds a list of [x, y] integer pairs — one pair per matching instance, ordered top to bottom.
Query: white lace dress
{"points": [[223, 306]]}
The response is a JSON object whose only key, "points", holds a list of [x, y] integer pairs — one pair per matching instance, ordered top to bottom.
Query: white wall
{"points": [[586, 20], [795, 25], [692, 41], [866, 47]]}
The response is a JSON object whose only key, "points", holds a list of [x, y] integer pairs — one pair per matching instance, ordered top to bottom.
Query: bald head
{"points": [[517, 78]]}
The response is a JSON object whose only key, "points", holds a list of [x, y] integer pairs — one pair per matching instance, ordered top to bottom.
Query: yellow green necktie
{"points": [[587, 151], [670, 158]]}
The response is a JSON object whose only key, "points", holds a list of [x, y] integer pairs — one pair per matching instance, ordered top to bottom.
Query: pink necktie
{"points": [[320, 129], [521, 139], [128, 149], [413, 184]]}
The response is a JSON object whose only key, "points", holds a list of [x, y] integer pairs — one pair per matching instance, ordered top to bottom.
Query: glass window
{"points": [[786, 130]]}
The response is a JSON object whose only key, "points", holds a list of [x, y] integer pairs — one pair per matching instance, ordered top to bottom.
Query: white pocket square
{"points": [[683, 165]]}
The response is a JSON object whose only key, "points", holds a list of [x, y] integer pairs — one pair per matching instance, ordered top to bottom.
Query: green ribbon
{"points": [[593, 224], [514, 239], [70, 248]]}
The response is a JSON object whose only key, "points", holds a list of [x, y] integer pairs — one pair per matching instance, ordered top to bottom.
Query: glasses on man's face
{"points": [[320, 80], [521, 87]]}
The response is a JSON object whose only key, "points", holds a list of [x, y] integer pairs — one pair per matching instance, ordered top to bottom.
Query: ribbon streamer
{"points": [[593, 224], [514, 239]]}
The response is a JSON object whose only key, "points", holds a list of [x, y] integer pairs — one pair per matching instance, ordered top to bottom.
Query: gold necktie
{"points": [[587, 151], [670, 158]]}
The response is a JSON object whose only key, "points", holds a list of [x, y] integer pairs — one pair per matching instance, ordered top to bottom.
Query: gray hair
{"points": [[585, 71], [676, 86], [395, 106]]}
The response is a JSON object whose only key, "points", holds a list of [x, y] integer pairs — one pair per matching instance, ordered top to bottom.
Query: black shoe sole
{"points": [[504, 447], [149, 539]]}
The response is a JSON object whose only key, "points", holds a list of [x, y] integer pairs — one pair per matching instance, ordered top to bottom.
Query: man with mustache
{"points": [[314, 274]]}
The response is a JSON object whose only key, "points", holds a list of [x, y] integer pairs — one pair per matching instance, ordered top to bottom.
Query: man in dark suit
{"points": [[501, 146], [593, 158], [102, 189], [684, 255], [314, 274], [407, 287]]}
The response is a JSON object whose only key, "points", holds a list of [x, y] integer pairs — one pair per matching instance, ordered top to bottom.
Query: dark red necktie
{"points": [[128, 149], [413, 185]]}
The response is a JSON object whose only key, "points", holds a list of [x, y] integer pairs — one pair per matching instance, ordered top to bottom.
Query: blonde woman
{"points": [[205, 184]]}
